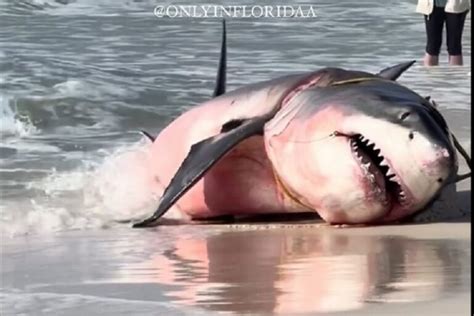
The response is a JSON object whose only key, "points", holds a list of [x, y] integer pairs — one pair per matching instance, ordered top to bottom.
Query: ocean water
{"points": [[79, 79]]}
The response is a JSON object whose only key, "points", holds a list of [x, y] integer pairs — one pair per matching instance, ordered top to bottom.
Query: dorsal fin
{"points": [[222, 69], [393, 72], [220, 79]]}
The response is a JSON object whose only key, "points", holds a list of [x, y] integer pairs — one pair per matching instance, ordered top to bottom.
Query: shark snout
{"points": [[430, 143], [438, 164]]}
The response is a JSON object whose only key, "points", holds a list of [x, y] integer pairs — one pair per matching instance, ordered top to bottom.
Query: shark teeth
{"points": [[359, 144]]}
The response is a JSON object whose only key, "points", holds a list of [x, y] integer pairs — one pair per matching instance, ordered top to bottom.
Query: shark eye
{"points": [[404, 115]]}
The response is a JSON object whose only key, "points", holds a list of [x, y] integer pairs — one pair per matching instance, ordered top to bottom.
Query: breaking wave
{"points": [[12, 123], [96, 194]]}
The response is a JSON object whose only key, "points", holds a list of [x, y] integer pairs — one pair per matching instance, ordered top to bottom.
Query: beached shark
{"points": [[355, 147]]}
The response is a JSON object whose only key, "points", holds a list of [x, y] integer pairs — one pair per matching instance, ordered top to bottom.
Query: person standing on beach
{"points": [[436, 13]]}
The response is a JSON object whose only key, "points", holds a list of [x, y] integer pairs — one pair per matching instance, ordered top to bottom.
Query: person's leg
{"points": [[454, 28], [434, 35]]}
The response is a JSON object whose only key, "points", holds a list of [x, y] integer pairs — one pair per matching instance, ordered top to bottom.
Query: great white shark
{"points": [[355, 147]]}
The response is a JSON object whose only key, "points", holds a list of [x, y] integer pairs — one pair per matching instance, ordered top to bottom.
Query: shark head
{"points": [[366, 150]]}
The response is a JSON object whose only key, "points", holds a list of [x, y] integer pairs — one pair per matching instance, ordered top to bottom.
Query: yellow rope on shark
{"points": [[354, 80], [287, 192]]}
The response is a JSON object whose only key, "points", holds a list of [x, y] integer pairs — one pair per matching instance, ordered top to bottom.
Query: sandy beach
{"points": [[79, 79], [252, 267], [279, 268]]}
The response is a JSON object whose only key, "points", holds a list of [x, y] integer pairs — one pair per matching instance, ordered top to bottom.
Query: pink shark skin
{"points": [[300, 164], [243, 181]]}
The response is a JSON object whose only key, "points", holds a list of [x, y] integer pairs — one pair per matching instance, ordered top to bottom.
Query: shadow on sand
{"points": [[452, 206]]}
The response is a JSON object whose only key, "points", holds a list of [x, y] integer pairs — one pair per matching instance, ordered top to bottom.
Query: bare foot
{"points": [[430, 60], [455, 60]]}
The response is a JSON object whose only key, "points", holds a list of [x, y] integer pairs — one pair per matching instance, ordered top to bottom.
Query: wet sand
{"points": [[255, 266], [247, 268]]}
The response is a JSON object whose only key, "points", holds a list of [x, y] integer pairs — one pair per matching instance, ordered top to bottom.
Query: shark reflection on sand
{"points": [[296, 271]]}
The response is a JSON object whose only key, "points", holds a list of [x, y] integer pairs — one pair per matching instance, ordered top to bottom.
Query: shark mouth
{"points": [[378, 169]]}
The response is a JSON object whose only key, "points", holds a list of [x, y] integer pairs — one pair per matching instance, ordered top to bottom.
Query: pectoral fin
{"points": [[201, 157]]}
